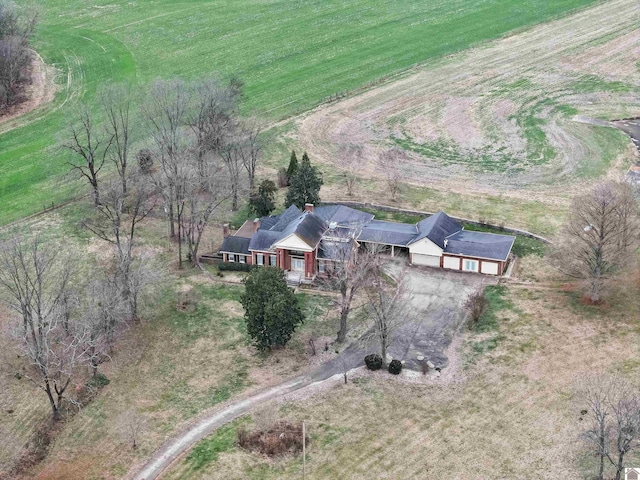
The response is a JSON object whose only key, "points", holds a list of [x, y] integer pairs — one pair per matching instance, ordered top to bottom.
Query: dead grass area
{"points": [[513, 413]]}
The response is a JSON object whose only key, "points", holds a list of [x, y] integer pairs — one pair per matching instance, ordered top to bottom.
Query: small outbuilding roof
{"points": [[235, 244], [480, 244]]}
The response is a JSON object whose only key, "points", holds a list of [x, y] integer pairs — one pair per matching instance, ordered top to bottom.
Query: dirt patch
{"points": [[40, 90]]}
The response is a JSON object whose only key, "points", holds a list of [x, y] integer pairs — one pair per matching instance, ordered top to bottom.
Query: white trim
{"points": [[293, 242]]}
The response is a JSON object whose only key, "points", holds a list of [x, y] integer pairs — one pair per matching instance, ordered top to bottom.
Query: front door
{"points": [[297, 264]]}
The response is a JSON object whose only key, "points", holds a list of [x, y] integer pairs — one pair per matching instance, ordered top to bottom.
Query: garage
{"points": [[427, 260], [452, 263], [489, 268]]}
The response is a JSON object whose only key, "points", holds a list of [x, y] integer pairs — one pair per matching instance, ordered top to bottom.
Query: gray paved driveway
{"points": [[437, 298]]}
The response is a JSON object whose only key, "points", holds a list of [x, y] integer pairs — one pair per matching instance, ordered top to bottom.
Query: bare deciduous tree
{"points": [[116, 104], [166, 112], [212, 121], [90, 149], [251, 150], [232, 156], [350, 161], [389, 163], [205, 192], [119, 215], [599, 236], [348, 272], [36, 280], [388, 307], [103, 320], [613, 408]]}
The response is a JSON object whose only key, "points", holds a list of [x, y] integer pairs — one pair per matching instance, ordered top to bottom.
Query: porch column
{"points": [[393, 251]]}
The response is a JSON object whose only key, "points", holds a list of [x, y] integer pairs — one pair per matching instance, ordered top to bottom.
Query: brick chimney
{"points": [[308, 207], [256, 225], [225, 230]]}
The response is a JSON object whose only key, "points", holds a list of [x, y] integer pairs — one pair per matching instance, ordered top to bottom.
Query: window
{"points": [[232, 258], [242, 258], [260, 259], [272, 260], [471, 265], [321, 266]]}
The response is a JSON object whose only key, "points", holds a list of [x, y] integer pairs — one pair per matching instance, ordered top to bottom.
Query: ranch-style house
{"points": [[304, 243]]}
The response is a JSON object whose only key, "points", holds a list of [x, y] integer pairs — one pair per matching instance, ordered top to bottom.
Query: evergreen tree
{"points": [[293, 165], [305, 185], [263, 202], [271, 309]]}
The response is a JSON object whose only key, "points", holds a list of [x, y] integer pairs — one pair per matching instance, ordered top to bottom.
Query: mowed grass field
{"points": [[291, 55]]}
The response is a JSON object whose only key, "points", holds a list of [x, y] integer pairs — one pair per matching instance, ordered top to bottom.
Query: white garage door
{"points": [[429, 260], [452, 262], [490, 268]]}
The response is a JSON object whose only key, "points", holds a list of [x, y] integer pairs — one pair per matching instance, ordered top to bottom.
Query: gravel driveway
{"points": [[437, 298]]}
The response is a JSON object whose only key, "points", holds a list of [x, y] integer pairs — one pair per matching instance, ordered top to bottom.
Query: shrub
{"points": [[145, 160], [283, 178], [235, 267], [373, 361], [395, 367], [98, 381], [282, 438]]}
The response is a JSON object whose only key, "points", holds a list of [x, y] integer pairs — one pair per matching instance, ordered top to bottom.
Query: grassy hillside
{"points": [[290, 54]]}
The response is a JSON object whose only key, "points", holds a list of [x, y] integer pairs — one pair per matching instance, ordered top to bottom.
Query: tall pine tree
{"points": [[293, 165], [305, 185]]}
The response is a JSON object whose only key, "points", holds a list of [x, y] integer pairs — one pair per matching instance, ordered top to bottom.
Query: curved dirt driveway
{"points": [[176, 446]]}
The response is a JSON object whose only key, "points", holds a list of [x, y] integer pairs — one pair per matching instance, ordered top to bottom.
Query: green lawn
{"points": [[290, 54]]}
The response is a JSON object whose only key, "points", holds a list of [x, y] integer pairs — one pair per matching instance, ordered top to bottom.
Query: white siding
{"points": [[293, 242], [425, 247], [429, 260], [452, 262], [489, 268]]}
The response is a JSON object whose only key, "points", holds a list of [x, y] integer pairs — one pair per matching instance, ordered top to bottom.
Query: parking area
{"points": [[437, 298]]}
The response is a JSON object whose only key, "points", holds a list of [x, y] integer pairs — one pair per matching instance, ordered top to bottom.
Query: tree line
{"points": [[16, 29], [200, 154]]}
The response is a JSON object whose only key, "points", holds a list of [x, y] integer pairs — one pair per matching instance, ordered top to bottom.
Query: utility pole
{"points": [[304, 449]]}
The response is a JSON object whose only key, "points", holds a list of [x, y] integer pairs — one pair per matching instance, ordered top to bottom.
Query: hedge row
{"points": [[235, 267]]}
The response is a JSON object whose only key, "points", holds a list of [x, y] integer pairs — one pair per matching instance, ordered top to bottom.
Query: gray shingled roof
{"points": [[342, 215], [285, 218], [267, 222], [308, 227], [436, 228], [390, 233], [263, 239], [234, 244], [480, 244], [340, 251]]}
